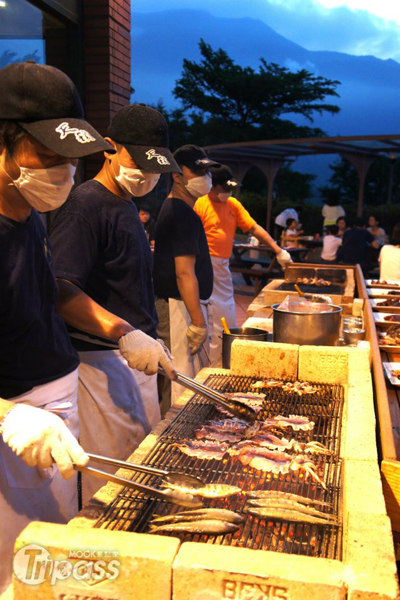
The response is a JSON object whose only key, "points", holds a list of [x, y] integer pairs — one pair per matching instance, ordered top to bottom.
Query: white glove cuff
{"points": [[197, 329], [125, 340], [6, 418]]}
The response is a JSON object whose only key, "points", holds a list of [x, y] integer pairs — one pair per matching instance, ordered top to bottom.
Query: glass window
{"points": [[29, 33]]}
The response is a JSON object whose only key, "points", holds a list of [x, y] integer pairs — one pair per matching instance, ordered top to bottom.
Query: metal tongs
{"points": [[238, 409], [174, 496]]}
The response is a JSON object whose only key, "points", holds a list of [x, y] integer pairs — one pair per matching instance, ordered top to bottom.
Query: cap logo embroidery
{"points": [[81, 135], [162, 160], [202, 161]]}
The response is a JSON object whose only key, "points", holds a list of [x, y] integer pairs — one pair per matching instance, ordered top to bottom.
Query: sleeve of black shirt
{"points": [[74, 246]]}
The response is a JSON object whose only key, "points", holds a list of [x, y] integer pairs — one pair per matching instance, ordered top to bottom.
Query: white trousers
{"points": [[223, 305], [174, 321], [118, 407], [29, 493]]}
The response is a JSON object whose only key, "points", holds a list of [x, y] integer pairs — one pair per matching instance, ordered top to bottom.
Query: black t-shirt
{"points": [[180, 232], [100, 246], [355, 246], [35, 346]]}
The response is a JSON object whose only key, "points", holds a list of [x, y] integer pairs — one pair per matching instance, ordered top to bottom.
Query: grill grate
{"points": [[288, 286], [131, 510]]}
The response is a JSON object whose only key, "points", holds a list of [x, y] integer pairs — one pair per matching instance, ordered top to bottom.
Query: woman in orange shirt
{"points": [[221, 214]]}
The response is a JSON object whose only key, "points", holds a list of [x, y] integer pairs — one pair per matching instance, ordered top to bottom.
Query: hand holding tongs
{"points": [[238, 409], [174, 496]]}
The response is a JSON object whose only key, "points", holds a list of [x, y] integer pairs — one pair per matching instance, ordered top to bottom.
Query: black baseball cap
{"points": [[45, 102], [143, 131], [194, 158], [222, 175]]}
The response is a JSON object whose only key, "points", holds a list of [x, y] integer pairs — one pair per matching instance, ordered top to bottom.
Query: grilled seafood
{"points": [[318, 281], [389, 302], [392, 318], [392, 338], [297, 387], [296, 422], [273, 442], [203, 449], [274, 461], [210, 490], [286, 496], [295, 506], [219, 514], [281, 514], [202, 526]]}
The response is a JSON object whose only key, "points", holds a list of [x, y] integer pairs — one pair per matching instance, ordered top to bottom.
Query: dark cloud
{"points": [[304, 22]]}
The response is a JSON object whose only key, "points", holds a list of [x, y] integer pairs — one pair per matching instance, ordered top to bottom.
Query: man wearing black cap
{"points": [[42, 134], [221, 214], [104, 268], [182, 268]]}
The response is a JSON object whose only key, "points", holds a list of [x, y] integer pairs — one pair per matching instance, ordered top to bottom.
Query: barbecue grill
{"points": [[341, 289], [131, 511], [350, 560]]}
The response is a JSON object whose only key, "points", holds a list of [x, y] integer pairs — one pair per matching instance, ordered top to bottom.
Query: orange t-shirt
{"points": [[220, 220]]}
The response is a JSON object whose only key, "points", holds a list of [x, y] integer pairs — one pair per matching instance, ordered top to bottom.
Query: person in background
{"points": [[42, 134], [332, 210], [221, 214], [280, 221], [148, 223], [342, 226], [292, 228], [378, 233], [331, 243], [355, 245], [389, 258], [104, 271], [183, 275]]}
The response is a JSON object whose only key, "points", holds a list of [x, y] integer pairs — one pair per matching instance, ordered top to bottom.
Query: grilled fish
{"points": [[210, 490], [286, 496], [276, 503], [218, 514], [281, 514], [206, 526]]}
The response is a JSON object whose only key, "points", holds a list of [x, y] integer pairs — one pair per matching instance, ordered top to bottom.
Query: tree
{"points": [[8, 56], [233, 103]]}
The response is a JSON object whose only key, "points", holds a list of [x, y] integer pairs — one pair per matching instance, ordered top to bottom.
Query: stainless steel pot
{"points": [[314, 329], [239, 333]]}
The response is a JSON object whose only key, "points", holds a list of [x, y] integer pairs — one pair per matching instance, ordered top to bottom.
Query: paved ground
{"points": [[244, 294]]}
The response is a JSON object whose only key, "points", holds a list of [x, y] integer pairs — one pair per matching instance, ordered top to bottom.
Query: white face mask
{"points": [[136, 182], [199, 186], [45, 189], [224, 196]]}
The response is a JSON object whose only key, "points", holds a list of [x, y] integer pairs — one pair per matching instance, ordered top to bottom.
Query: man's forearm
{"points": [[264, 237], [189, 291], [81, 311]]}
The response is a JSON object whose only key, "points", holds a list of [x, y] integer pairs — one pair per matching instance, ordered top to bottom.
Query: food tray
{"points": [[389, 284], [382, 293], [386, 309], [379, 318], [389, 368]]}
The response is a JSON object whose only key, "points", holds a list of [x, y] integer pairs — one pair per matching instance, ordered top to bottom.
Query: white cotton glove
{"points": [[283, 257], [196, 337], [144, 353], [40, 437]]}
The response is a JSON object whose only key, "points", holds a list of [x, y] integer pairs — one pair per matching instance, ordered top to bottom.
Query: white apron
{"points": [[223, 305], [183, 361], [115, 415], [29, 493]]}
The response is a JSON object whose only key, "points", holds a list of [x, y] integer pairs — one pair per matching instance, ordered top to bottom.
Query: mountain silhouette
{"points": [[369, 90]]}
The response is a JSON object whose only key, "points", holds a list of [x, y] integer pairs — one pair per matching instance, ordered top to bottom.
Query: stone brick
{"points": [[264, 359], [324, 364], [359, 424], [362, 488], [143, 563], [204, 571], [370, 572]]}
